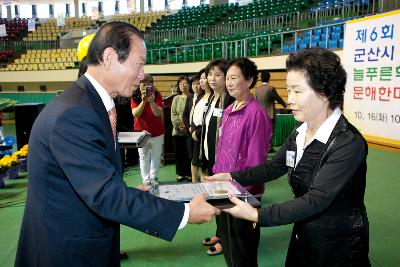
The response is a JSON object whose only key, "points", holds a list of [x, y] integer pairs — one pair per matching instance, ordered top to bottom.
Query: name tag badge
{"points": [[217, 112], [290, 156]]}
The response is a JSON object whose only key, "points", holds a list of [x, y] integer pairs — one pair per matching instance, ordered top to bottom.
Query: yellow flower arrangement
{"points": [[22, 153], [9, 161], [3, 166]]}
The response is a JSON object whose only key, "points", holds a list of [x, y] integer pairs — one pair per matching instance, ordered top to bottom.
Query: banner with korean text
{"points": [[371, 57]]}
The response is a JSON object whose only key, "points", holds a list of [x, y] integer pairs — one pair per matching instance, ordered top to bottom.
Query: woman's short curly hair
{"points": [[248, 69], [323, 71], [181, 78]]}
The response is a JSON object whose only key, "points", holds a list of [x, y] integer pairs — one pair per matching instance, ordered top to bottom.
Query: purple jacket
{"points": [[244, 140]]}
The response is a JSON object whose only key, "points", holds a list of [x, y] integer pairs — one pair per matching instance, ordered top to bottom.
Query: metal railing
{"points": [[346, 9], [293, 20], [193, 33], [262, 45], [22, 46]]}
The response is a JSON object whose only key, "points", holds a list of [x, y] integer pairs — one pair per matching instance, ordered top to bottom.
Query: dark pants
{"points": [[273, 133], [182, 156], [129, 157], [209, 164], [240, 241]]}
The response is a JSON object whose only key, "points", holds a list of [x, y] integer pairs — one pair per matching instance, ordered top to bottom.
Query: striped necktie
{"points": [[112, 115]]}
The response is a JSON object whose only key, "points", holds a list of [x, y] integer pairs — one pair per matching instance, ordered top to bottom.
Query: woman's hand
{"points": [[151, 98], [145, 99], [182, 127], [224, 176], [242, 210]]}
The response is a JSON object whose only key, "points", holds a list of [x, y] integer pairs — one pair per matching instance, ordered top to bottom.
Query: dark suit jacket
{"points": [[266, 96], [76, 195]]}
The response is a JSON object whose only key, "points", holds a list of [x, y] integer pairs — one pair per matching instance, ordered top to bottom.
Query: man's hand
{"points": [[223, 176], [200, 210], [242, 210]]}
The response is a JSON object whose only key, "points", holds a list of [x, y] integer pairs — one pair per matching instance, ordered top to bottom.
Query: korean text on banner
{"points": [[371, 57]]}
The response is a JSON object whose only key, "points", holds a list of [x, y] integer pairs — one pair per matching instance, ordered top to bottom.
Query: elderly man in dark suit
{"points": [[266, 95], [77, 198]]}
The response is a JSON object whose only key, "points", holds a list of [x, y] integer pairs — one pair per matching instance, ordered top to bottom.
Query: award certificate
{"points": [[185, 192]]}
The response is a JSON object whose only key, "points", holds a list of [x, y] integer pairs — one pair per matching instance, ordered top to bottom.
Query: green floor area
{"points": [[186, 248]]}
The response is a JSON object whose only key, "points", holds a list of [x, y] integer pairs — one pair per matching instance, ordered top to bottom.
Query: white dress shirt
{"points": [[322, 134]]}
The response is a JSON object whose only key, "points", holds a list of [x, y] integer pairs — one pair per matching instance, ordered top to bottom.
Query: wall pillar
{"points": [[141, 6], [76, 7], [51, 10]]}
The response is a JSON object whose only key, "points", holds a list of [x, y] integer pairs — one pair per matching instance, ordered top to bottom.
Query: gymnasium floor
{"points": [[186, 249]]}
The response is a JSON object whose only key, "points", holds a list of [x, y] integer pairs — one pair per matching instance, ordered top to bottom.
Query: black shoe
{"points": [[123, 255]]}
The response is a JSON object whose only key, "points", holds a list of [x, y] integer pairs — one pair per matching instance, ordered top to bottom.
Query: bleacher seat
{"points": [[194, 17], [141, 20], [15, 28], [50, 31], [340, 43], [332, 44], [47, 59]]}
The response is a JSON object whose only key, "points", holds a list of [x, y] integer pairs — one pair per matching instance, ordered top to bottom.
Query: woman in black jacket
{"points": [[220, 99], [325, 159]]}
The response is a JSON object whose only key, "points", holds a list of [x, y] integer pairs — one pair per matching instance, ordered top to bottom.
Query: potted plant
{"points": [[22, 156], [13, 164], [3, 172]]}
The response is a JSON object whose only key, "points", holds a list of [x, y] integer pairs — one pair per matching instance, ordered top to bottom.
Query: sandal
{"points": [[181, 179], [211, 241], [214, 251]]}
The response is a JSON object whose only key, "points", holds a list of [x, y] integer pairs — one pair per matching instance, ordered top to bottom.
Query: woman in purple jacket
{"points": [[244, 141]]}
